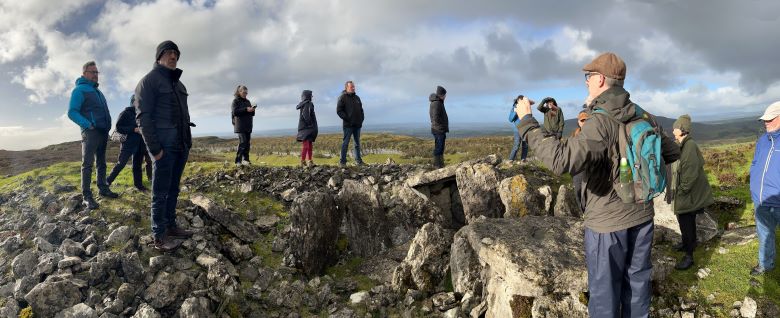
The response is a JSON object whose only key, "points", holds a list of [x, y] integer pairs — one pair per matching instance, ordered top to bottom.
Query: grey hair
{"points": [[87, 65], [611, 82], [347, 83], [238, 88]]}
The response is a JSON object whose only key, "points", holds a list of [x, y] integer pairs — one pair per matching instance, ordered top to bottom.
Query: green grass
{"points": [[349, 270]]}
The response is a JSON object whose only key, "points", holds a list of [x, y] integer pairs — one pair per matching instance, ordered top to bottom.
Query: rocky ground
{"points": [[480, 238]]}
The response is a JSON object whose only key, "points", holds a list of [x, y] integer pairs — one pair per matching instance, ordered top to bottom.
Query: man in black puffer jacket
{"points": [[350, 110], [164, 120], [440, 125], [133, 146]]}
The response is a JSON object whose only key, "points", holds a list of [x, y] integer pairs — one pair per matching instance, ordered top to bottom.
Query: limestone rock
{"points": [[478, 188], [520, 198], [566, 202], [366, 220], [232, 222], [667, 228], [314, 231], [119, 236], [71, 248], [236, 251], [428, 259], [24, 263], [131, 267], [220, 280], [165, 289], [49, 298], [568, 306], [196, 307], [748, 308], [9, 309], [80, 310], [146, 311]]}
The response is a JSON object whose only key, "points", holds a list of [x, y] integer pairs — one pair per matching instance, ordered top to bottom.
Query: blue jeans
{"points": [[355, 133], [518, 143], [438, 144], [93, 149], [166, 177], [767, 219], [619, 270]]}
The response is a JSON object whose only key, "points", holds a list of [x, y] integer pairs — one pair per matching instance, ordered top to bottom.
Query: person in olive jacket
{"points": [[350, 110], [243, 112], [163, 117], [553, 117], [440, 125], [307, 128], [133, 146], [691, 191]]}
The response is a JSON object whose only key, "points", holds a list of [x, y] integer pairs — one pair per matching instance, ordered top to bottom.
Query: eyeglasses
{"points": [[93, 72], [588, 75], [582, 120]]}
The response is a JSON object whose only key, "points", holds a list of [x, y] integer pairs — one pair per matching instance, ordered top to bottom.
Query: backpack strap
{"points": [[623, 140]]}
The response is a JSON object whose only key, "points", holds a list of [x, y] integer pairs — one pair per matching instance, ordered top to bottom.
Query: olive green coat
{"points": [[691, 189]]}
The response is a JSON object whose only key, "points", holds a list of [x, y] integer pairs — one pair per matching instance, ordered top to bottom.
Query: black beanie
{"points": [[166, 45], [441, 91], [306, 95]]}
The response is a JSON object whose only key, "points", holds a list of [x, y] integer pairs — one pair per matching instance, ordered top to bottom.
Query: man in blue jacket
{"points": [[89, 110], [518, 143], [765, 188]]}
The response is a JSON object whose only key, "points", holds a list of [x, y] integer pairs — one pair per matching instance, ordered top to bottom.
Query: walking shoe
{"points": [[246, 163], [360, 163], [303, 164], [311, 164], [342, 164], [107, 193], [90, 203], [178, 232], [164, 244], [685, 263], [757, 270]]}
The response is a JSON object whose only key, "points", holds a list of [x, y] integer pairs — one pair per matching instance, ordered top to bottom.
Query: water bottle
{"points": [[625, 171]]}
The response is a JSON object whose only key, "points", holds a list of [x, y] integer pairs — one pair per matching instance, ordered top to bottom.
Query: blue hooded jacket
{"points": [[88, 106], [513, 117], [765, 171]]}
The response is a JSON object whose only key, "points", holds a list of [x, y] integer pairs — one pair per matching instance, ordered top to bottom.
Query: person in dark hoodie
{"points": [[89, 110], [350, 110], [242, 112], [553, 117], [164, 120], [440, 125], [307, 128], [133, 146], [618, 236]]}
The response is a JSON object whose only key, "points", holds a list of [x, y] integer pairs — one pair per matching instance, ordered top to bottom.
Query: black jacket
{"points": [[350, 110], [162, 112], [242, 119], [307, 121], [440, 123], [126, 125]]}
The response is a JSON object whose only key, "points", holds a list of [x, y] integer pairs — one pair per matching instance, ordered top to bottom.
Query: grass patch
{"points": [[262, 248], [348, 269]]}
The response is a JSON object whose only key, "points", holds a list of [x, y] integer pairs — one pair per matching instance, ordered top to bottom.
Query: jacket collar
{"points": [[168, 73], [84, 81], [616, 102]]}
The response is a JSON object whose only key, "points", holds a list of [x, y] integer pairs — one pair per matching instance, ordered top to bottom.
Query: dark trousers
{"points": [[355, 133], [438, 144], [518, 144], [243, 147], [93, 149], [140, 155], [165, 190], [688, 230], [619, 270]]}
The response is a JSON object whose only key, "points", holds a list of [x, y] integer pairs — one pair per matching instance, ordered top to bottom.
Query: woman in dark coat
{"points": [[242, 111], [307, 128], [133, 146]]}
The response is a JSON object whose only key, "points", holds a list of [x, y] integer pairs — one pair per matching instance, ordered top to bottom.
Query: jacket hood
{"points": [[84, 81], [434, 97], [616, 102], [302, 103]]}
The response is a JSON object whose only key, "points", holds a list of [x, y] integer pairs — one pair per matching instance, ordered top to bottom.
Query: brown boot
{"points": [[164, 244]]}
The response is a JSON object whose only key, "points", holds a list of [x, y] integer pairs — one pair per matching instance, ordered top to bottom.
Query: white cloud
{"points": [[25, 137]]}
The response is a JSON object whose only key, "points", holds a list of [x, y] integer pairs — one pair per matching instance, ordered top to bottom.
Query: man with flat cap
{"points": [[164, 121], [440, 125], [765, 188], [618, 235]]}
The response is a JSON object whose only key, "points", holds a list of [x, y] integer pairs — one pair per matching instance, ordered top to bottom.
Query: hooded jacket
{"points": [[88, 107], [350, 110], [161, 111], [242, 119], [307, 120], [553, 122], [440, 123], [126, 125], [588, 153], [765, 171], [691, 189]]}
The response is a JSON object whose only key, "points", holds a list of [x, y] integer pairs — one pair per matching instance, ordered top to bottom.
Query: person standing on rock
{"points": [[89, 110], [350, 110], [243, 112], [553, 117], [164, 121], [440, 125], [307, 128], [518, 143], [133, 146], [765, 188], [691, 191], [618, 236]]}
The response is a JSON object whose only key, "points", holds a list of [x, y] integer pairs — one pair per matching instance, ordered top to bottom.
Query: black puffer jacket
{"points": [[161, 110], [350, 110], [242, 119], [307, 121], [440, 123], [126, 125]]}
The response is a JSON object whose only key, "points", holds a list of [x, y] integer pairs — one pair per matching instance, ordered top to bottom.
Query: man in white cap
{"points": [[765, 188]]}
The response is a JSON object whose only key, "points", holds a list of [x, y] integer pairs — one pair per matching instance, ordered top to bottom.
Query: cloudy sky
{"points": [[711, 59]]}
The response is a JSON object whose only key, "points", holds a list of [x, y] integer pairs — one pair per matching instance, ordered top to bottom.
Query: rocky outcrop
{"points": [[477, 185], [520, 198], [566, 202], [365, 218], [241, 229], [668, 229], [314, 231], [427, 260], [513, 272], [51, 297]]}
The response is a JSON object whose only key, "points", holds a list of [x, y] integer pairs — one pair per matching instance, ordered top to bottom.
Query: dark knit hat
{"points": [[166, 45], [608, 64], [441, 91], [306, 95], [683, 123]]}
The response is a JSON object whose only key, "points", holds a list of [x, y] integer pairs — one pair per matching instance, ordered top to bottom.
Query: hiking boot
{"points": [[360, 163], [311, 164], [342, 164], [107, 193], [90, 203], [178, 232], [164, 245], [685, 263], [757, 270]]}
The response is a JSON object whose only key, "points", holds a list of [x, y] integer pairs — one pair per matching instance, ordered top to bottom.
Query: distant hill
{"points": [[739, 128]]}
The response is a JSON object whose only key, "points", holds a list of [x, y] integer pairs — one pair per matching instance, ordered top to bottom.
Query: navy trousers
{"points": [[166, 177]]}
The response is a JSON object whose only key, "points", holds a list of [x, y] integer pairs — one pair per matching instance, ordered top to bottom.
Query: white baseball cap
{"points": [[771, 112]]}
